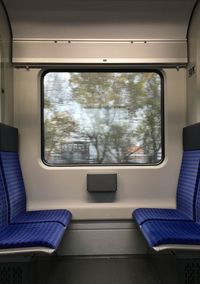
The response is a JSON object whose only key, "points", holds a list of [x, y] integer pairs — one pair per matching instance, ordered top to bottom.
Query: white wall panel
{"points": [[94, 19], [42, 29], [92, 31], [29, 52], [6, 72], [193, 80], [49, 187], [107, 232]]}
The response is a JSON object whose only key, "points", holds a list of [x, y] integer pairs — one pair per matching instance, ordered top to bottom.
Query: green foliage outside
{"points": [[117, 114]]}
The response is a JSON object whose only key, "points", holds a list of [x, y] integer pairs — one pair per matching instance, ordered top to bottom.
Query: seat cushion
{"points": [[13, 182], [188, 183], [186, 193], [143, 214], [60, 215], [171, 232], [46, 235]]}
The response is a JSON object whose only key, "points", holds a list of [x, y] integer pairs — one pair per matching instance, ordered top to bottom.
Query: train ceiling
{"points": [[100, 19]]}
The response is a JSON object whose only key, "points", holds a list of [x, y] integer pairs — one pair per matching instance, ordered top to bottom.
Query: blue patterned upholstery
{"points": [[14, 183], [188, 183], [15, 189], [186, 193], [3, 204], [197, 209], [141, 215], [61, 216], [181, 226], [18, 228], [171, 232], [31, 235], [46, 235]]}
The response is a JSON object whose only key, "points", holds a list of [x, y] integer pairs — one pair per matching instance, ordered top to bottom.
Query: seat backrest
{"points": [[11, 170], [190, 171], [4, 217], [197, 217]]}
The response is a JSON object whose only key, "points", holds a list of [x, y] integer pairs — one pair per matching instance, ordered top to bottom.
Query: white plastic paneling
{"points": [[95, 19], [81, 31], [28, 52], [6, 74], [193, 80], [49, 187]]}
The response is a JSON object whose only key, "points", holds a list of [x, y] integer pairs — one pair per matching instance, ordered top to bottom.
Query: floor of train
{"points": [[133, 269], [138, 269]]}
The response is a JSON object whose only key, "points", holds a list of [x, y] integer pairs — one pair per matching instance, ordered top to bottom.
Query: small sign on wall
{"points": [[191, 71], [101, 182]]}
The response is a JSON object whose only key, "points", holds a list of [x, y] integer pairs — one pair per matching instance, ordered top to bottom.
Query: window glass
{"points": [[102, 117]]}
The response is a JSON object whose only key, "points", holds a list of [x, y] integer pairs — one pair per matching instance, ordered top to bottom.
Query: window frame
{"points": [[103, 68]]}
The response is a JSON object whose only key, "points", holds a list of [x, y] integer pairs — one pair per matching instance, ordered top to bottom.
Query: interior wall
{"points": [[94, 19], [91, 31], [28, 52], [6, 70], [193, 74], [51, 187], [102, 223]]}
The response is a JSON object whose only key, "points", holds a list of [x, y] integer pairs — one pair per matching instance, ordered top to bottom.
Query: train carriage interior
{"points": [[100, 142]]}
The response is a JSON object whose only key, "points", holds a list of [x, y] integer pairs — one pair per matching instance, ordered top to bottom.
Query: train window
{"points": [[102, 117]]}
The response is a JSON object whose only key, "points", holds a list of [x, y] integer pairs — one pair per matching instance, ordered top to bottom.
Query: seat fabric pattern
{"points": [[14, 183], [188, 183], [15, 189], [186, 193], [3, 204], [197, 209], [60, 215], [141, 215], [36, 229], [171, 232], [26, 235], [31, 235]]}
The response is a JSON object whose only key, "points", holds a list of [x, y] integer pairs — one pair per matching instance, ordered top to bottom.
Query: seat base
{"points": [[28, 250]]}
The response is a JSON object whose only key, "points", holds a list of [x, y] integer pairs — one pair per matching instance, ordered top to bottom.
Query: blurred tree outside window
{"points": [[102, 118]]}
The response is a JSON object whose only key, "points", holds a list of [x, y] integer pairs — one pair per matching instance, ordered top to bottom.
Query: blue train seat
{"points": [[14, 184], [187, 184], [173, 234], [179, 234], [29, 237]]}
